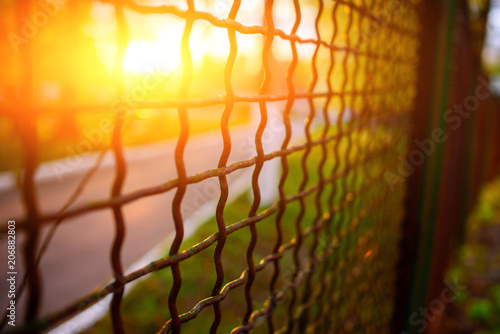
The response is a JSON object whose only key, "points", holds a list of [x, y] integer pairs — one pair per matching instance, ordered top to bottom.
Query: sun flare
{"points": [[144, 56]]}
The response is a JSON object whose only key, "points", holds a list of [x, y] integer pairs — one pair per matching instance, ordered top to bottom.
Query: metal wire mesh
{"points": [[343, 259]]}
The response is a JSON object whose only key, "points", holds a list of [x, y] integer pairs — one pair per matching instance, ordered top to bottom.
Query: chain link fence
{"points": [[335, 225]]}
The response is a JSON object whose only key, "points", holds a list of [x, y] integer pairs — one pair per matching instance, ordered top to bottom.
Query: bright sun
{"points": [[155, 42], [164, 52], [145, 56]]}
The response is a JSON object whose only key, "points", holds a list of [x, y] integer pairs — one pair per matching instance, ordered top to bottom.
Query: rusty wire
{"points": [[356, 207]]}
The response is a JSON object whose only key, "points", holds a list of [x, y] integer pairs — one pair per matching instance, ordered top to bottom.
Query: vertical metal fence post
{"points": [[430, 13], [437, 19], [442, 190]]}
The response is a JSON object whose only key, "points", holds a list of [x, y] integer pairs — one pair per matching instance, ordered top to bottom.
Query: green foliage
{"points": [[477, 262], [495, 293], [480, 309]]}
